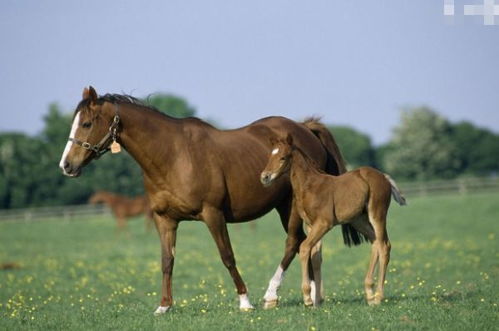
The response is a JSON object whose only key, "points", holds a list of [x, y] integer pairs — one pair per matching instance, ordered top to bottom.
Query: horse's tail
{"points": [[335, 165], [396, 193]]}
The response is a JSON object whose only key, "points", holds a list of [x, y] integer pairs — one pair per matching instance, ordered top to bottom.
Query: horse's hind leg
{"points": [[363, 225], [383, 247]]}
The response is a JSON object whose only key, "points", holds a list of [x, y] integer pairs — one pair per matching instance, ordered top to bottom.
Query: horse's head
{"points": [[92, 133], [279, 161], [97, 197]]}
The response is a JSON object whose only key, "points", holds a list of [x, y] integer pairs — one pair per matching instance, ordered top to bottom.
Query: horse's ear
{"points": [[85, 93], [89, 93], [92, 94], [289, 139]]}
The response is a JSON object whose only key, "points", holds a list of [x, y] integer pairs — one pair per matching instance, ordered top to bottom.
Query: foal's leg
{"points": [[215, 221], [363, 225], [294, 228], [167, 229], [318, 230], [382, 246], [317, 290]]}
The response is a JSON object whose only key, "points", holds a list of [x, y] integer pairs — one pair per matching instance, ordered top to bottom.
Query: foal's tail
{"points": [[335, 165], [397, 194]]}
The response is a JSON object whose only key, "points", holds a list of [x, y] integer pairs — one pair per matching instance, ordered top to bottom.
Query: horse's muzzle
{"points": [[69, 170], [266, 178]]}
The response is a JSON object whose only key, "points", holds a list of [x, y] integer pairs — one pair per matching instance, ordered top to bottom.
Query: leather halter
{"points": [[101, 148]]}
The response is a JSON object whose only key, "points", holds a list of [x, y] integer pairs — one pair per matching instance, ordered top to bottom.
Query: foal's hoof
{"points": [[374, 300], [308, 303], [270, 304], [246, 309], [161, 310]]}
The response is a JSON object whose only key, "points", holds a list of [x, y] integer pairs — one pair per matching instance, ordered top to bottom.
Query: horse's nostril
{"points": [[66, 165]]}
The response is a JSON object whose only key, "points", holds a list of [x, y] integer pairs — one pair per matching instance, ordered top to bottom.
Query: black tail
{"points": [[335, 165]]}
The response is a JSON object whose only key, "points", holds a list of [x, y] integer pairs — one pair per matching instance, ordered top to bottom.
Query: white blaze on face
{"points": [[72, 134], [275, 151]]}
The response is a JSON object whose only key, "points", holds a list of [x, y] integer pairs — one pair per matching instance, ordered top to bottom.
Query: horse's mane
{"points": [[115, 98]]}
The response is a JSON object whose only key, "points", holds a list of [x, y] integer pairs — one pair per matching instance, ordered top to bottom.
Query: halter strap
{"points": [[99, 148]]}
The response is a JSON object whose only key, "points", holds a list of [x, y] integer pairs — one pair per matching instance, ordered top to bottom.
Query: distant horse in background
{"points": [[193, 171], [124, 207]]}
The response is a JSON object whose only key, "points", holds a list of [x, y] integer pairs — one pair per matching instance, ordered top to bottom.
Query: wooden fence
{"points": [[460, 186], [67, 213]]}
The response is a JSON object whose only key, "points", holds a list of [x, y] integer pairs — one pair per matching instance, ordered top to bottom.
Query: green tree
{"points": [[355, 146], [421, 147], [477, 149], [19, 169]]}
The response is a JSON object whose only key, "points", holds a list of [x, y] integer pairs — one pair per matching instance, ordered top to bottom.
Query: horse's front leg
{"points": [[215, 221], [293, 226], [167, 229], [317, 231], [317, 289]]}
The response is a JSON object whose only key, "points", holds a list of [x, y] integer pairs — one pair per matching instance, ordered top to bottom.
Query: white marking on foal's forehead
{"points": [[275, 151]]}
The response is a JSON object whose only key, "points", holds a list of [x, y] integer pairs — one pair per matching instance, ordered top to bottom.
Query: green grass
{"points": [[81, 275]]}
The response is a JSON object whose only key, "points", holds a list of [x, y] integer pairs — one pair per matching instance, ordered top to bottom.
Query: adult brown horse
{"points": [[195, 171], [123, 207]]}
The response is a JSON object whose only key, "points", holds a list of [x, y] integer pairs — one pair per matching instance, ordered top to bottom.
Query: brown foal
{"points": [[193, 171], [360, 197], [124, 207]]}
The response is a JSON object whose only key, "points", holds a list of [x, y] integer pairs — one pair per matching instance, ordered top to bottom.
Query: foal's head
{"points": [[89, 136], [279, 161]]}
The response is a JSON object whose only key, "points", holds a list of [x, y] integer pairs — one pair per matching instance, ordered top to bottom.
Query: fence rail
{"points": [[461, 186], [67, 213]]}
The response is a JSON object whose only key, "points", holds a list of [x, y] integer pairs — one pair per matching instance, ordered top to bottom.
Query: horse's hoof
{"points": [[374, 300], [308, 303], [316, 303], [270, 304], [246, 309], [161, 310]]}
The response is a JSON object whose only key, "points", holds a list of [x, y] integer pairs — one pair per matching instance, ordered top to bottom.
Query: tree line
{"points": [[423, 146]]}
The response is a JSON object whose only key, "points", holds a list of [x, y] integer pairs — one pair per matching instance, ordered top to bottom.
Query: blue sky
{"points": [[354, 63]]}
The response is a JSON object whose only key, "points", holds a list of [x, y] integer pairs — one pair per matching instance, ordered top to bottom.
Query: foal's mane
{"points": [[310, 163]]}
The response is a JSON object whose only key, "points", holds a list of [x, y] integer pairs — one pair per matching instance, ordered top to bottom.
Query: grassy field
{"points": [[81, 275]]}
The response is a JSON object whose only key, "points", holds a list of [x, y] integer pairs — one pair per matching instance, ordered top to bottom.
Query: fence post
{"points": [[462, 186]]}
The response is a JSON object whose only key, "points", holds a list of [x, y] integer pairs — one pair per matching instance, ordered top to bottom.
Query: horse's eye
{"points": [[86, 125], [283, 158]]}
